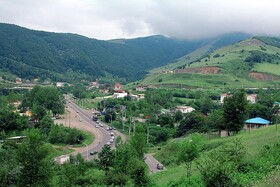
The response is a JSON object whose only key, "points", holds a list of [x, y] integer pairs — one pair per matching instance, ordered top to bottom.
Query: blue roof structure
{"points": [[258, 120]]}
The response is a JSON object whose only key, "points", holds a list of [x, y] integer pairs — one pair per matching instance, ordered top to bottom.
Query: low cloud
{"points": [[188, 19]]}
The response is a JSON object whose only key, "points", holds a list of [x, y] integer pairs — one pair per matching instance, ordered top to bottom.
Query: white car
{"points": [[100, 124], [96, 126], [107, 128], [112, 134], [111, 140]]}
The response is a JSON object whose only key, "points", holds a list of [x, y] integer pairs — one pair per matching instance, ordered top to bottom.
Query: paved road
{"points": [[101, 134], [152, 163]]}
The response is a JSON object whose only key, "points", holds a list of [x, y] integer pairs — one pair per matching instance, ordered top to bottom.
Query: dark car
{"points": [[93, 152], [159, 166]]}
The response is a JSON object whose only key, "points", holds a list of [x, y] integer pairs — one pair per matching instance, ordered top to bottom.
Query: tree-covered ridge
{"points": [[31, 54]]}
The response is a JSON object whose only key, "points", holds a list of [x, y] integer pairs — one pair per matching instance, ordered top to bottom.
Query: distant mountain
{"points": [[31, 54], [254, 62]]}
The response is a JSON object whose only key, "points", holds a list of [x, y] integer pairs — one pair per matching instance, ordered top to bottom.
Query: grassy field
{"points": [[268, 68], [234, 70], [204, 80], [253, 141]]}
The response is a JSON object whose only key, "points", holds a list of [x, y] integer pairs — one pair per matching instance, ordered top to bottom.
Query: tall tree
{"points": [[234, 111], [189, 151], [32, 156], [105, 159]]}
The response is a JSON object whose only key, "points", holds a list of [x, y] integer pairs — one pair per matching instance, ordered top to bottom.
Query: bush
{"points": [[60, 134]]}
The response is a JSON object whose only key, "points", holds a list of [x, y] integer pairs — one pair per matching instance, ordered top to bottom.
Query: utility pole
{"points": [[69, 118], [133, 128], [148, 135]]}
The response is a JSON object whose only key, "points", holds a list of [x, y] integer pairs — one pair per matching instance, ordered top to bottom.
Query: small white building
{"points": [[60, 84], [141, 88], [120, 94], [252, 98], [184, 109], [62, 159]]}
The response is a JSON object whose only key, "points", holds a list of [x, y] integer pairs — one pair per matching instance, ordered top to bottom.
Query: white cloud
{"points": [[106, 19]]}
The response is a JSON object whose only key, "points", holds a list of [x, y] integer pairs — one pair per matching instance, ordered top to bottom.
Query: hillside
{"points": [[30, 54], [252, 62], [254, 143]]}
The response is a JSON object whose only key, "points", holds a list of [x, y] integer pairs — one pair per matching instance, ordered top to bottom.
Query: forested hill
{"points": [[32, 54]]}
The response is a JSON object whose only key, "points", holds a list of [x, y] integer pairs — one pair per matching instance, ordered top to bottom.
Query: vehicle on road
{"points": [[94, 118], [96, 126], [93, 152], [159, 166]]}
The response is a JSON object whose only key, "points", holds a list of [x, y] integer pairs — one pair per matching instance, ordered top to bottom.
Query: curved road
{"points": [[103, 136]]}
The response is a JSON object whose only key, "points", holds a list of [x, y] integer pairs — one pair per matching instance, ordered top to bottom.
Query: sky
{"points": [[109, 19]]}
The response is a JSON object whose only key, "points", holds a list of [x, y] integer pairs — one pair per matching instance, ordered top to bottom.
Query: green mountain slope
{"points": [[32, 54], [250, 63]]}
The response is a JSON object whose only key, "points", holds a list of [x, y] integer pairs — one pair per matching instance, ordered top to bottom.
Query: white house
{"points": [[120, 94], [252, 98], [184, 109]]}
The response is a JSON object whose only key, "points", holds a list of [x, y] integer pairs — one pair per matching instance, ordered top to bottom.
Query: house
{"points": [[18, 81], [60, 84], [95, 84], [117, 86], [141, 88], [105, 91], [120, 94], [141, 96], [223, 96], [133, 97], [252, 98], [277, 104], [184, 109], [255, 123], [16, 139], [62, 159]]}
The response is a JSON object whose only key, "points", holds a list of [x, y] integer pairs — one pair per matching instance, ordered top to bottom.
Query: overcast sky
{"points": [[108, 19]]}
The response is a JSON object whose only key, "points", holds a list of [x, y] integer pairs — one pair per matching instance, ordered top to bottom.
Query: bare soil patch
{"points": [[201, 70], [262, 76]]}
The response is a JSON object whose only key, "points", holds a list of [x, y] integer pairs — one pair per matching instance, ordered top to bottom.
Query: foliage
{"points": [[31, 54], [41, 99], [234, 111], [11, 121], [193, 122], [60, 134], [189, 151], [32, 157], [105, 159], [219, 167]]}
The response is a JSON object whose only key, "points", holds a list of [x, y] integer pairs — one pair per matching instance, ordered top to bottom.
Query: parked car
{"points": [[100, 124], [96, 126], [107, 128], [112, 134], [111, 140], [93, 152], [159, 166]]}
